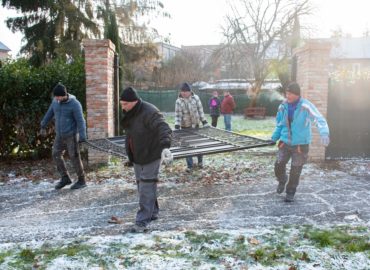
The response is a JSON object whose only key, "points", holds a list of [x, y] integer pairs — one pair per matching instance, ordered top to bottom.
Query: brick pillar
{"points": [[99, 57], [313, 77]]}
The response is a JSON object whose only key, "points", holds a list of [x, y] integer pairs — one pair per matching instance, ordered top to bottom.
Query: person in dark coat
{"points": [[214, 108], [70, 129], [148, 139]]}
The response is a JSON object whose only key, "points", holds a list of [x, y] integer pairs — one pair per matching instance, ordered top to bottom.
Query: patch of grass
{"points": [[261, 128], [195, 238], [339, 239], [46, 253], [4, 255], [27, 255]]}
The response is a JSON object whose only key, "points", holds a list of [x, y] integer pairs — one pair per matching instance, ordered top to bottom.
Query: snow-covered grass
{"points": [[261, 128], [289, 247]]}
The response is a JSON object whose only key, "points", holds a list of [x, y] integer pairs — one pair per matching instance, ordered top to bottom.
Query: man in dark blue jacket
{"points": [[70, 129], [148, 139]]}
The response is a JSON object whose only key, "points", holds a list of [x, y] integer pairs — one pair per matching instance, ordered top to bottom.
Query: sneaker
{"points": [[200, 165], [188, 170], [63, 182], [81, 183], [280, 188], [289, 197], [154, 218], [138, 229]]}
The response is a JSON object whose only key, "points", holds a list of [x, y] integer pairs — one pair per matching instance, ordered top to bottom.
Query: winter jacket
{"points": [[228, 105], [214, 106], [189, 111], [68, 118], [300, 130], [147, 133]]}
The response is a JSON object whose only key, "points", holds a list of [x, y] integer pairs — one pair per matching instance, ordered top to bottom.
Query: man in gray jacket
{"points": [[70, 129]]}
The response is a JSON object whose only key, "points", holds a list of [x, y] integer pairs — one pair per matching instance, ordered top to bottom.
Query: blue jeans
{"points": [[227, 120], [189, 161]]}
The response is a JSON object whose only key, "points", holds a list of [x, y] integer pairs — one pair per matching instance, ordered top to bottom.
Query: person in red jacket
{"points": [[227, 107]]}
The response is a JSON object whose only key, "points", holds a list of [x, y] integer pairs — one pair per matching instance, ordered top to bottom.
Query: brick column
{"points": [[99, 57], [313, 77]]}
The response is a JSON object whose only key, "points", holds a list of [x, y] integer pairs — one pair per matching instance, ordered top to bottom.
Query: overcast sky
{"points": [[196, 22]]}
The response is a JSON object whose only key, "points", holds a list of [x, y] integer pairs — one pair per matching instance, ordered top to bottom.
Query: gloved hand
{"points": [[205, 123], [177, 127], [43, 132], [325, 140], [166, 156]]}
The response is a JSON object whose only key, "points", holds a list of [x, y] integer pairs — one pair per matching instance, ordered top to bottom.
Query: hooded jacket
{"points": [[68, 118], [299, 131]]}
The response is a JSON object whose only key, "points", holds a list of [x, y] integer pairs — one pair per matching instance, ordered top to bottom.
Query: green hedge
{"points": [[25, 95]]}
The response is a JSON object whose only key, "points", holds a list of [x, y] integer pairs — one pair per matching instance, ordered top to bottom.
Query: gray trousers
{"points": [[70, 144], [299, 155], [146, 180]]}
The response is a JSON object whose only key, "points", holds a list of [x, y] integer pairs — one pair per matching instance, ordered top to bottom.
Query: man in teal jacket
{"points": [[70, 129], [293, 130]]}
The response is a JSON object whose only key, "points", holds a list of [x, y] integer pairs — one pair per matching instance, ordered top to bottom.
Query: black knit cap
{"points": [[185, 87], [294, 88], [60, 90], [129, 94]]}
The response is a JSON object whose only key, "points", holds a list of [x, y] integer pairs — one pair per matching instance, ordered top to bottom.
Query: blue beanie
{"points": [[185, 87]]}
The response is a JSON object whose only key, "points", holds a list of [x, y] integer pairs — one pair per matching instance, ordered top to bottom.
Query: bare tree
{"points": [[261, 30], [185, 66]]}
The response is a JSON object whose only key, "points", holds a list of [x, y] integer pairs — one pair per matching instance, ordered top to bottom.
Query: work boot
{"points": [[63, 182], [80, 183], [289, 197], [138, 229]]}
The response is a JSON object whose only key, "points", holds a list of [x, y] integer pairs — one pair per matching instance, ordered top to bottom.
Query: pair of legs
{"points": [[214, 120], [227, 121], [70, 144], [298, 154], [189, 161], [146, 180]]}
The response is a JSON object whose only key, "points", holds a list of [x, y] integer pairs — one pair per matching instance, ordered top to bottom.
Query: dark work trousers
{"points": [[214, 120], [70, 144], [298, 154], [146, 180]]}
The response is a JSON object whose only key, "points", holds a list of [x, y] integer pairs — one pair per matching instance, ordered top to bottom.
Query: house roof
{"points": [[3, 47]]}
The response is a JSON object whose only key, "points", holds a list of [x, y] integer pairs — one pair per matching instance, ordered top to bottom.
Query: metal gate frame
{"points": [[188, 142]]}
